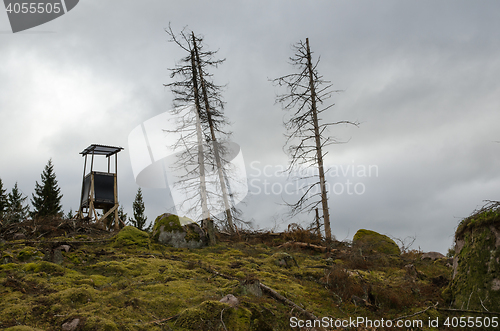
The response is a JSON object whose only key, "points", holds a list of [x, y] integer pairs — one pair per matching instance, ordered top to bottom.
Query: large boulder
{"points": [[179, 232], [373, 241], [475, 282]]}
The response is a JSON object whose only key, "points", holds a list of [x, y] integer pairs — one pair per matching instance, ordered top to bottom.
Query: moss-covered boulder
{"points": [[179, 232], [131, 236], [373, 241], [476, 265], [209, 315]]}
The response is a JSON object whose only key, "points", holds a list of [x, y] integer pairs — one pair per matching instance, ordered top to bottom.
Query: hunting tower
{"points": [[99, 189]]}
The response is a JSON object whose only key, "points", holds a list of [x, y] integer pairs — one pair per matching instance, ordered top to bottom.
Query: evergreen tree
{"points": [[47, 197], [3, 201], [16, 211], [70, 214], [139, 219]]}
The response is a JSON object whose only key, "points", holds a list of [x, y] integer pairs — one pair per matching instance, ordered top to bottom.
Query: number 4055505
{"points": [[34, 8], [472, 322]]}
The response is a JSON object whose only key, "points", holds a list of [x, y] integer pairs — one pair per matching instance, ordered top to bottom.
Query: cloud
{"points": [[421, 77]]}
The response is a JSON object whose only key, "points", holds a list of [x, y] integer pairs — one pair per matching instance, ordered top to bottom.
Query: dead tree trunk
{"points": [[306, 138], [319, 153], [222, 181], [207, 222]]}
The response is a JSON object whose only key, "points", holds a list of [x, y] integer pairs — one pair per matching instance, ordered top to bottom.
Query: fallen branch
{"points": [[30, 242], [296, 244], [281, 298], [469, 311], [417, 313], [164, 319], [223, 324]]}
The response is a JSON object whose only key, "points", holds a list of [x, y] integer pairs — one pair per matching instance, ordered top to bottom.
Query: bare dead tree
{"points": [[195, 87], [214, 119], [306, 132]]}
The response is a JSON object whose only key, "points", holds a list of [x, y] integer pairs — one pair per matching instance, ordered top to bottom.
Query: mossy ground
{"points": [[131, 236], [113, 287]]}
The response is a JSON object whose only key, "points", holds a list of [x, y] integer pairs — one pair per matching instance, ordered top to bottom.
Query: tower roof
{"points": [[101, 150]]}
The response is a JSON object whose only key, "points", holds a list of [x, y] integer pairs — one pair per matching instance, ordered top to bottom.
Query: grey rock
{"points": [[178, 232], [19, 236], [65, 247], [432, 256], [57, 257], [286, 260], [495, 284], [231, 300], [71, 326]]}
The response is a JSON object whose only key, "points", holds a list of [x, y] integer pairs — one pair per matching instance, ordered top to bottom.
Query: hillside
{"points": [[113, 282]]}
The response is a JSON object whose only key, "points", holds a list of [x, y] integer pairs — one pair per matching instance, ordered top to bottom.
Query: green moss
{"points": [[478, 220], [191, 234], [131, 236], [372, 240], [28, 253], [6, 257], [74, 258], [9, 266], [44, 266], [477, 272], [127, 289], [74, 296], [15, 309], [209, 315], [98, 323], [22, 328]]}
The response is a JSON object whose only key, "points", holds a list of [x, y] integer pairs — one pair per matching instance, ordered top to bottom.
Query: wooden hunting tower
{"points": [[99, 189]]}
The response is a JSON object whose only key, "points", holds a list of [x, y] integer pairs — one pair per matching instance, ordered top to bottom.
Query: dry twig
{"points": [[417, 313]]}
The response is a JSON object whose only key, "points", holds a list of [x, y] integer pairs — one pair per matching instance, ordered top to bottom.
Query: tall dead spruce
{"points": [[195, 87], [306, 136]]}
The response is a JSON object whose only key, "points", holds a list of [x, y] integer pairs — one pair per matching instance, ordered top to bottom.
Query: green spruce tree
{"points": [[47, 197], [3, 201], [16, 210], [70, 214], [139, 219]]}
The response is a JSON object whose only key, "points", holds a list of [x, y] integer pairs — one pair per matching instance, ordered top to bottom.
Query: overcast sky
{"points": [[422, 77]]}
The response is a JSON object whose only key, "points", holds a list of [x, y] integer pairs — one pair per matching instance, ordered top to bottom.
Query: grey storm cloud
{"points": [[421, 77]]}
